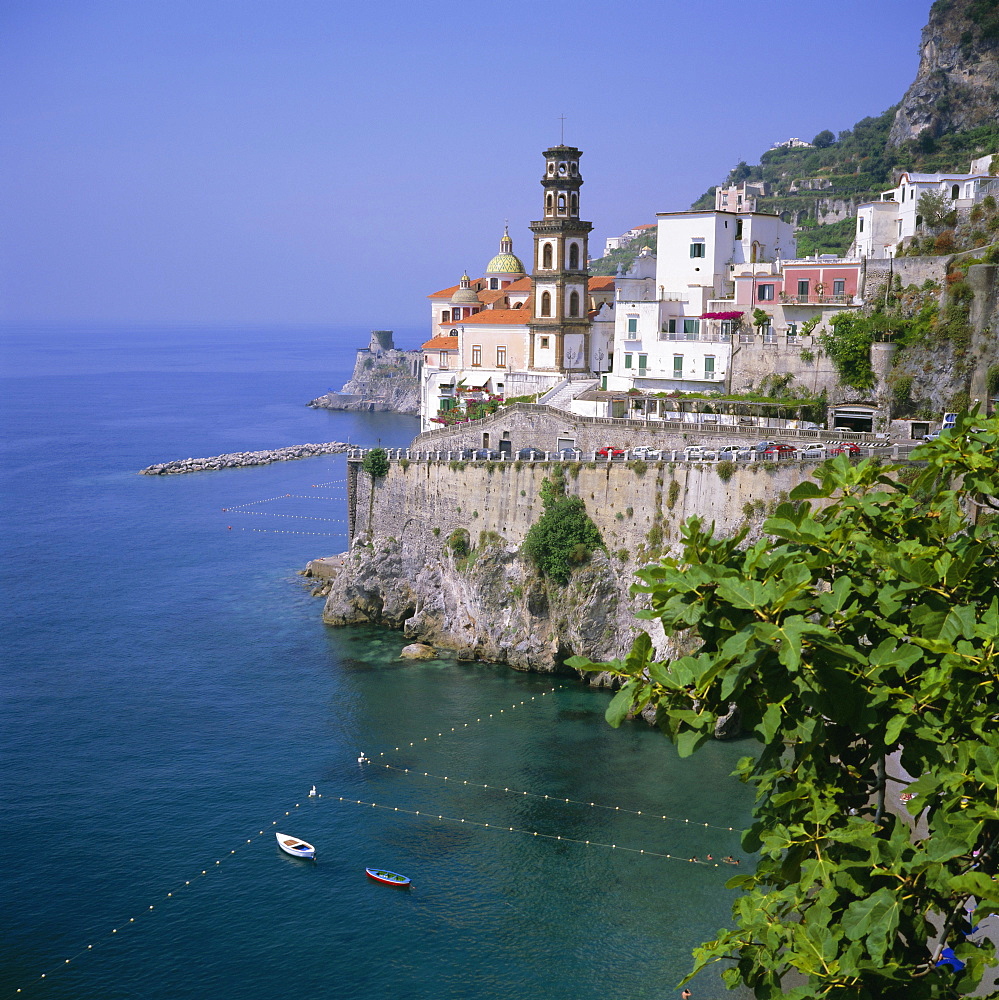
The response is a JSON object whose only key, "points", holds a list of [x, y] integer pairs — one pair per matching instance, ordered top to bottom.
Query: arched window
{"points": [[955, 191], [548, 204], [561, 204], [575, 204], [546, 255], [573, 256], [546, 304], [574, 304]]}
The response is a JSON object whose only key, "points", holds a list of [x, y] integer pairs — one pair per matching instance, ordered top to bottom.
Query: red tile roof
{"points": [[601, 282], [520, 285], [445, 293], [498, 317], [441, 344]]}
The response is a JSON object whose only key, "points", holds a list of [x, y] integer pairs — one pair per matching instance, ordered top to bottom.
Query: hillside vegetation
{"points": [[854, 167]]}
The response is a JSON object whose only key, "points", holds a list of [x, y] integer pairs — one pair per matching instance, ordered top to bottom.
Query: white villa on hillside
{"points": [[882, 225]]}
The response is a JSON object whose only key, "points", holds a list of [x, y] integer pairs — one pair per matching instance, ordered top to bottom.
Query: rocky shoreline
{"points": [[244, 459]]}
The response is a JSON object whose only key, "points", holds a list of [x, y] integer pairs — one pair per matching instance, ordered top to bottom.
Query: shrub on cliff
{"points": [[376, 463], [564, 535], [857, 639]]}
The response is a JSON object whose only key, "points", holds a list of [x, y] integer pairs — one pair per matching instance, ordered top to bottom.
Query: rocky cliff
{"points": [[957, 84], [384, 379], [489, 603], [492, 606]]}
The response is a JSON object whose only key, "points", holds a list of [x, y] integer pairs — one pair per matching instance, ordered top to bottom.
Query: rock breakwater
{"points": [[244, 459]]}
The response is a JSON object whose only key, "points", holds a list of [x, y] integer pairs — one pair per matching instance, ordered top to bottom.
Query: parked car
{"points": [[932, 436], [763, 445], [844, 448], [609, 451], [780, 451], [812, 451], [697, 452], [734, 452], [487, 453], [530, 453], [569, 454], [646, 454]]}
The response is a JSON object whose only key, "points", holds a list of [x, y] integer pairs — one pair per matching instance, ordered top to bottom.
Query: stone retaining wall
{"points": [[433, 499]]}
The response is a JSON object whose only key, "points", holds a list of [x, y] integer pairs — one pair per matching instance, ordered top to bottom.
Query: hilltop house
{"points": [[882, 225]]}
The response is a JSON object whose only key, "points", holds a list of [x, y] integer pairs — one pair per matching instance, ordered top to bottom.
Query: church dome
{"points": [[506, 262], [466, 295]]}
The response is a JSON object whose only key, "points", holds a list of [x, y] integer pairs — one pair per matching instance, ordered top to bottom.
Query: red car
{"points": [[845, 448], [779, 451], [610, 452]]}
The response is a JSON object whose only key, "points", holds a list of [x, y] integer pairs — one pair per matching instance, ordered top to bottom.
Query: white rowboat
{"points": [[295, 847]]}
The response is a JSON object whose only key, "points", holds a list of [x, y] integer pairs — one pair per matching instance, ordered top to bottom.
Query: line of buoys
{"points": [[336, 483], [286, 496], [302, 517], [281, 531], [491, 715], [456, 782], [535, 833], [109, 935]]}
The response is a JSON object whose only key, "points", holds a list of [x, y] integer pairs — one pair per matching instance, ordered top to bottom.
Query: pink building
{"points": [[801, 282]]}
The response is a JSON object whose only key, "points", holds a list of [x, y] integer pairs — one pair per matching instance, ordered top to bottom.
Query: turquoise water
{"points": [[169, 691]]}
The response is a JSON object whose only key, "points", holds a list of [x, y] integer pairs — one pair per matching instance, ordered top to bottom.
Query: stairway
{"points": [[561, 395]]}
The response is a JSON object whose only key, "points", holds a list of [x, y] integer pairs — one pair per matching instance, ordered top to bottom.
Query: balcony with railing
{"points": [[813, 299], [704, 336]]}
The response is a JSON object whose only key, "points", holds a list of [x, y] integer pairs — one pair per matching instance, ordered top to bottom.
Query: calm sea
{"points": [[169, 692]]}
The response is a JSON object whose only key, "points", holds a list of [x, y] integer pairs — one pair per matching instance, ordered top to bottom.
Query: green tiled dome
{"points": [[506, 263]]}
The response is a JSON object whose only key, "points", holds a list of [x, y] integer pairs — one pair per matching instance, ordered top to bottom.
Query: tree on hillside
{"points": [[824, 139], [933, 207], [859, 640]]}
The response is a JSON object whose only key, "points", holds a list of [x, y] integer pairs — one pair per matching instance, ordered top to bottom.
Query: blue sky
{"points": [[332, 163]]}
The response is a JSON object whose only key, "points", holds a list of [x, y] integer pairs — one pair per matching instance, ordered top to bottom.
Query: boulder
{"points": [[418, 651]]}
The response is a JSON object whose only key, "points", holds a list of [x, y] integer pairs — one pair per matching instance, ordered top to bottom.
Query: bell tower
{"points": [[559, 326]]}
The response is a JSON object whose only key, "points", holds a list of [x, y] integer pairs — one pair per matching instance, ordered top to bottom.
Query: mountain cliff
{"points": [[957, 84]]}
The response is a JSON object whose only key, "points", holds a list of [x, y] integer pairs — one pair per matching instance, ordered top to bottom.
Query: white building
{"points": [[793, 143], [739, 197], [882, 225], [616, 242], [674, 332]]}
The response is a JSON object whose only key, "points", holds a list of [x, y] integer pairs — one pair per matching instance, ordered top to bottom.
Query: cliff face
{"points": [[957, 84], [383, 380], [491, 604], [493, 607]]}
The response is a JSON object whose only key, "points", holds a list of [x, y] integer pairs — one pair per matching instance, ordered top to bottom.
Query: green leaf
{"points": [[807, 491], [746, 593], [620, 705], [771, 722], [895, 726], [689, 740], [987, 770]]}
